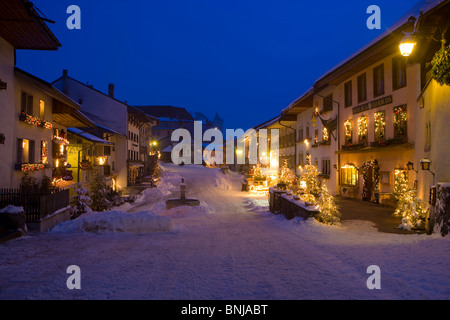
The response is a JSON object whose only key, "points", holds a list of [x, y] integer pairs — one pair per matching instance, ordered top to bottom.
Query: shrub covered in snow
{"points": [[99, 193], [80, 202]]}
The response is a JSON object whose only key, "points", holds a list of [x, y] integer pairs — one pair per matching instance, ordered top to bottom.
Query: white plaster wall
{"points": [[7, 102]]}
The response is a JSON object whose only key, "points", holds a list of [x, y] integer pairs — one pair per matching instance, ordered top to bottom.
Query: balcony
{"points": [[35, 121]]}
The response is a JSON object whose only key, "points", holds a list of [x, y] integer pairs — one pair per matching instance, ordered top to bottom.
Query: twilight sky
{"points": [[244, 59]]}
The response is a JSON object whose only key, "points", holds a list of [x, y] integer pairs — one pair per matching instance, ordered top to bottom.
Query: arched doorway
{"points": [[370, 177]]}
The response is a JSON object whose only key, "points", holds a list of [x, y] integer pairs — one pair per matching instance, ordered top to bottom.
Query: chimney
{"points": [[65, 82], [111, 90]]}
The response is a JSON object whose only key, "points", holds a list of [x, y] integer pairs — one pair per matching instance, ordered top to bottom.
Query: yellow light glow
{"points": [[406, 46], [306, 142], [61, 148], [239, 151], [101, 160], [57, 163], [303, 184]]}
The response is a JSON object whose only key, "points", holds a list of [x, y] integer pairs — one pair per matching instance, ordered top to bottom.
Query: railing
{"points": [[36, 205]]}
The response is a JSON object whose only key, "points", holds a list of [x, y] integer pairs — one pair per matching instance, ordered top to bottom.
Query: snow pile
{"points": [[228, 181], [169, 182], [257, 204], [12, 210], [185, 212], [116, 221]]}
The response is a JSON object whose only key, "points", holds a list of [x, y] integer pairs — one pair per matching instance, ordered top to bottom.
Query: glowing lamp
{"points": [[407, 45], [425, 164]]}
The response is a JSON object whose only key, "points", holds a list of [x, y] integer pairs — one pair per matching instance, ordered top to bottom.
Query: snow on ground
{"points": [[230, 247]]}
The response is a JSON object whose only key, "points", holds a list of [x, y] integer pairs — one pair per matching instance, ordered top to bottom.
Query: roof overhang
{"points": [[24, 28], [375, 52], [300, 105], [65, 111]]}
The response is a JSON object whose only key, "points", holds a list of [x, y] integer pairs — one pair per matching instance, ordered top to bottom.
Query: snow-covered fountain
{"points": [[182, 201]]}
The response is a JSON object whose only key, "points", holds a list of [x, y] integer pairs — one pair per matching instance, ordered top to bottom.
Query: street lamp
{"points": [[407, 45], [425, 164], [410, 166]]}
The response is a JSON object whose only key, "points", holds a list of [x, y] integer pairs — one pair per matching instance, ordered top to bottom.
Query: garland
{"points": [[441, 65], [35, 121], [31, 167]]}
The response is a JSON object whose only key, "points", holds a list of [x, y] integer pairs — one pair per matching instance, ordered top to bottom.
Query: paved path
{"points": [[382, 216]]}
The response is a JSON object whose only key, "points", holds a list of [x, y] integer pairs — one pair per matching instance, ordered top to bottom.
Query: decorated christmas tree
{"points": [[287, 177], [311, 179], [400, 185], [413, 210], [329, 211]]}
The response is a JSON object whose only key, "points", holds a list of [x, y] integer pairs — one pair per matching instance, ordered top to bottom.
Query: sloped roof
{"points": [[24, 28], [381, 44], [170, 112], [89, 136]]}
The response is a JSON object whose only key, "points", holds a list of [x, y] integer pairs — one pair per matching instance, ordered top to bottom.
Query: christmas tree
{"points": [[287, 177], [311, 179], [400, 185], [413, 210], [329, 211]]}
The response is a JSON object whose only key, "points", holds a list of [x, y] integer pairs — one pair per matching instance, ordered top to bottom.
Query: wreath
{"points": [[441, 66]]}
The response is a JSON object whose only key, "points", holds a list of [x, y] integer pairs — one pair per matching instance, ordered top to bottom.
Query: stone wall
{"points": [[440, 213]]}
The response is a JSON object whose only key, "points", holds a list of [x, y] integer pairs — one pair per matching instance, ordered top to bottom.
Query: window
{"points": [[398, 73], [378, 80], [362, 88], [348, 94], [26, 103], [328, 103], [41, 109], [400, 122], [380, 126], [362, 129], [348, 131], [307, 133], [300, 135], [325, 135], [316, 136], [107, 150], [25, 151], [44, 152], [300, 159], [326, 167], [349, 175]]}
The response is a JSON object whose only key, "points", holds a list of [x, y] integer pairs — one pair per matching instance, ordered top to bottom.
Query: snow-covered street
{"points": [[230, 248]]}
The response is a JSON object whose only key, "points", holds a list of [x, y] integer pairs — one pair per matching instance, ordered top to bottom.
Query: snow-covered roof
{"points": [[421, 7], [89, 136]]}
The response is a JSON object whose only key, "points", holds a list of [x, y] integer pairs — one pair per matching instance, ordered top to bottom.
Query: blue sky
{"points": [[244, 59]]}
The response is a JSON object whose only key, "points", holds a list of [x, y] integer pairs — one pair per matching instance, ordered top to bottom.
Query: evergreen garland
{"points": [[441, 65]]}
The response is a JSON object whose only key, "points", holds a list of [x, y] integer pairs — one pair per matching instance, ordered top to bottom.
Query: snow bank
{"points": [[228, 181], [12, 210], [185, 212], [116, 221]]}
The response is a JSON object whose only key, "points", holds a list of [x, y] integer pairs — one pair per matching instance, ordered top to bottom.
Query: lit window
{"points": [[400, 122], [380, 126], [348, 128], [362, 129], [349, 175]]}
